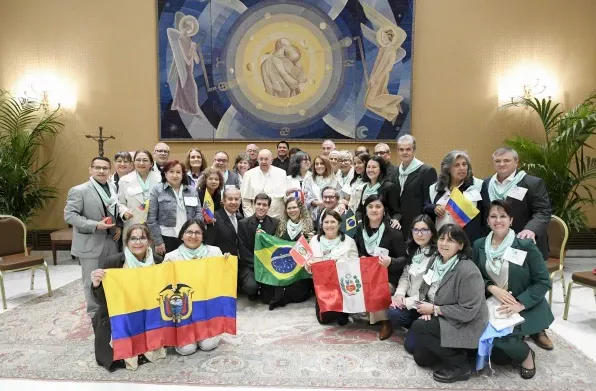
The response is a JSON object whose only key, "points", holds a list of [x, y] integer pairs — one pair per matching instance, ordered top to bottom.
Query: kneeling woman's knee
{"points": [[209, 343], [186, 350]]}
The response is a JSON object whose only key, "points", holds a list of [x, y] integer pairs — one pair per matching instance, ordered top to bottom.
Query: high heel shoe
{"points": [[526, 373]]}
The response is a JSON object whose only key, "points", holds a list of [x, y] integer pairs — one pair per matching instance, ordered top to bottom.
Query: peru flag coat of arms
{"points": [[351, 285]]}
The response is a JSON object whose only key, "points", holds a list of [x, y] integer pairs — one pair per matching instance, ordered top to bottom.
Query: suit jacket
{"points": [[283, 165], [390, 171], [233, 179], [415, 192], [390, 193], [84, 209], [533, 212], [247, 230], [222, 234], [392, 240], [528, 283], [461, 300], [104, 354]]}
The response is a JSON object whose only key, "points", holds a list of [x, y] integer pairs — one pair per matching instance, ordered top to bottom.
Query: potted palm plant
{"points": [[24, 125], [562, 159]]}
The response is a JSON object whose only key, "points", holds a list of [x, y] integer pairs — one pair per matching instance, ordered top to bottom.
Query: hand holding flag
{"points": [[460, 208], [301, 252]]}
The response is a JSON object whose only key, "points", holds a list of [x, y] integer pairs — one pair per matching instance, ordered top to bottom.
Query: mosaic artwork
{"points": [[284, 69]]}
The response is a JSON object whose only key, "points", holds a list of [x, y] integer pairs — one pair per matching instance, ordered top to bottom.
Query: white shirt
{"points": [[502, 185], [180, 217]]}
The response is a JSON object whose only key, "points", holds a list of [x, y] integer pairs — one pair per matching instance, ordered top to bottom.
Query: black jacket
{"points": [[285, 165], [415, 192], [390, 193], [533, 212], [247, 230], [222, 234], [392, 240], [104, 355]]}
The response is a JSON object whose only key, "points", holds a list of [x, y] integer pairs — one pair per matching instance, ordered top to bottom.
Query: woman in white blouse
{"points": [[299, 171], [321, 178], [134, 189], [352, 191], [331, 243], [193, 248]]}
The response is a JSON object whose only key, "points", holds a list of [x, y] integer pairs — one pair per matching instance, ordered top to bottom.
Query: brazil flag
{"points": [[273, 263]]}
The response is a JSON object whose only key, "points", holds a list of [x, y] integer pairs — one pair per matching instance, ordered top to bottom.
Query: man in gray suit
{"points": [[220, 162], [91, 208]]}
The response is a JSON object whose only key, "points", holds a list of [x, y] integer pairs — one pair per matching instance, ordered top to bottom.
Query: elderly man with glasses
{"points": [[384, 151], [161, 153], [220, 162]]}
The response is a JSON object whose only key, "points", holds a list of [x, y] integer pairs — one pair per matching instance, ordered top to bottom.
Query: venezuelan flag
{"points": [[208, 208], [460, 208], [274, 265], [172, 304]]}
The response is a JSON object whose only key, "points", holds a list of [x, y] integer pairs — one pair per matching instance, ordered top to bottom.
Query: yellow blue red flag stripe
{"points": [[460, 208]]}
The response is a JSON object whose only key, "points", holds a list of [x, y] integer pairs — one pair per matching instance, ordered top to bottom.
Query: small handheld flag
{"points": [[299, 195], [208, 208], [460, 208], [349, 223], [301, 252]]}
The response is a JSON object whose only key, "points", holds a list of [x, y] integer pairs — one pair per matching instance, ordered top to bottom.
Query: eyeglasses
{"points": [[251, 150], [162, 151], [378, 153], [142, 160], [100, 168], [422, 231], [193, 233], [135, 240]]}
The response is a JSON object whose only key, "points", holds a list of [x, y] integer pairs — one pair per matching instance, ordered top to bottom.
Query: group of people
{"points": [[153, 209]]}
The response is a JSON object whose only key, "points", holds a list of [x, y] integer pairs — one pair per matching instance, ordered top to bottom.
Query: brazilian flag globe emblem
{"points": [[273, 263]]}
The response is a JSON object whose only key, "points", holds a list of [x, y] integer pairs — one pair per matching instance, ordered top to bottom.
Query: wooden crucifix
{"points": [[100, 139]]}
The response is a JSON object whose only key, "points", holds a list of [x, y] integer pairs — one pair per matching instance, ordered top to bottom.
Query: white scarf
{"points": [[403, 173], [370, 190], [109, 202], [294, 229], [372, 242], [327, 246], [494, 257], [133, 262]]}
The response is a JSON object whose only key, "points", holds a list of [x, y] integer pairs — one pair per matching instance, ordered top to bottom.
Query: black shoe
{"points": [[253, 297], [275, 304], [342, 321], [143, 360], [118, 364], [526, 373], [451, 375]]}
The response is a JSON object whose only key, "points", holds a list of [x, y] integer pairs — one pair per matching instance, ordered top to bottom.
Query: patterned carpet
{"points": [[51, 338]]}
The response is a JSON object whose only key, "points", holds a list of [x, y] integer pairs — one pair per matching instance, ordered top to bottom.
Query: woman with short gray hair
{"points": [[456, 172]]}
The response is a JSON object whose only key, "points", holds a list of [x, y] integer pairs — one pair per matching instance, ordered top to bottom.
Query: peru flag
{"points": [[351, 285]]}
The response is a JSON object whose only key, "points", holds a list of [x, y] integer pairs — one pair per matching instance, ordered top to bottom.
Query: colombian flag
{"points": [[208, 208], [460, 208], [274, 265], [172, 304]]}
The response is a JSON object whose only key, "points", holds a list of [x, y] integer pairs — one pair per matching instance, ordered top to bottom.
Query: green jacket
{"points": [[528, 283]]}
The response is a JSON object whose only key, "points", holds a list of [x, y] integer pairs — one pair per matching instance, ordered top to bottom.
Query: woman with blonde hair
{"points": [[196, 164]]}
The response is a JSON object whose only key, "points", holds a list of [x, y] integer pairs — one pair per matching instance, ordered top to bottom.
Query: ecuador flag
{"points": [[208, 208], [460, 208], [273, 263], [172, 304]]}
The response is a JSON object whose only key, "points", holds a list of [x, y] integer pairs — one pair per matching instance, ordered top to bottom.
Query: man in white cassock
{"points": [[267, 179]]}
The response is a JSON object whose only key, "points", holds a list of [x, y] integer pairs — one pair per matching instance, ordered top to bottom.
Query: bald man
{"points": [[326, 147], [252, 150], [383, 150], [161, 153], [265, 178]]}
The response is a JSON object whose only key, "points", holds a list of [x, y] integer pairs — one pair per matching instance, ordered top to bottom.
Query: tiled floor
{"points": [[579, 329]]}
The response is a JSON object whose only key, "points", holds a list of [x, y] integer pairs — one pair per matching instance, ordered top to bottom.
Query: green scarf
{"points": [[403, 174], [145, 185], [370, 190], [493, 191], [109, 202], [294, 229], [372, 242], [328, 245], [197, 253], [420, 254], [494, 257], [132, 261], [440, 268]]}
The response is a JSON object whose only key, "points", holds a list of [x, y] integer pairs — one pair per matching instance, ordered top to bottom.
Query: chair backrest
{"points": [[558, 233], [14, 236]]}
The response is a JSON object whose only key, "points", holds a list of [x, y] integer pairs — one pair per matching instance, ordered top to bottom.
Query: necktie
{"points": [[234, 222]]}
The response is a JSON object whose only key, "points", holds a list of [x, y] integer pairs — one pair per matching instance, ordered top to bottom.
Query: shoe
{"points": [[253, 297], [275, 304], [342, 321], [386, 330], [542, 340], [526, 373], [450, 375]]}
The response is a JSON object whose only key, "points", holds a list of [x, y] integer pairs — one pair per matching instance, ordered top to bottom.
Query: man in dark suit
{"points": [[383, 150], [283, 159], [413, 178], [531, 206], [247, 230], [224, 233]]}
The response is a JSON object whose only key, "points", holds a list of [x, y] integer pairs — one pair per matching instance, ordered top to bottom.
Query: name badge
{"points": [[230, 186], [134, 190], [518, 193], [473, 195], [191, 201], [380, 251], [514, 255], [428, 277]]}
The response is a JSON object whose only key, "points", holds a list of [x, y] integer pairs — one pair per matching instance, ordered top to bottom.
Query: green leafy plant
{"points": [[24, 125], [561, 160]]}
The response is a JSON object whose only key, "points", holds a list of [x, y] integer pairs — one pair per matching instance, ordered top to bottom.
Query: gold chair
{"points": [[558, 233], [14, 255], [587, 279]]}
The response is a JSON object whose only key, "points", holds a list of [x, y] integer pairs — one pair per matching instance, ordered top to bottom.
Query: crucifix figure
{"points": [[100, 139]]}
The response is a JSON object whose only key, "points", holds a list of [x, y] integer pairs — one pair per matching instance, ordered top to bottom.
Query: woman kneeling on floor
{"points": [[193, 248], [137, 253], [452, 307]]}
